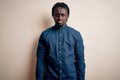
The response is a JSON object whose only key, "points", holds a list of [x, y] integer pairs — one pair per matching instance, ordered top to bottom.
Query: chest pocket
{"points": [[69, 45]]}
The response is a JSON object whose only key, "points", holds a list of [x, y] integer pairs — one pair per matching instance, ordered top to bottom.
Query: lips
{"points": [[59, 21]]}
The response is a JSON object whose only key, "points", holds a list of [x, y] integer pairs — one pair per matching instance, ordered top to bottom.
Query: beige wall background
{"points": [[22, 21]]}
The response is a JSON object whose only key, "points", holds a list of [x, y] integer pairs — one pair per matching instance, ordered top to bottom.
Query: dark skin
{"points": [[60, 16]]}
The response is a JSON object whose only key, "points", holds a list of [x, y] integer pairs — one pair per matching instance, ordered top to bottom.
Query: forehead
{"points": [[60, 10]]}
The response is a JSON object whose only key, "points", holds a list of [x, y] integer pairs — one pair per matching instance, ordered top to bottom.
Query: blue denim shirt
{"points": [[60, 55]]}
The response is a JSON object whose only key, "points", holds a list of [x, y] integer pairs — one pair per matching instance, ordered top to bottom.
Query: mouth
{"points": [[59, 21]]}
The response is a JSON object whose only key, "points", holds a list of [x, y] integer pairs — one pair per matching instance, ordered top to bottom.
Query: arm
{"points": [[80, 62], [40, 66]]}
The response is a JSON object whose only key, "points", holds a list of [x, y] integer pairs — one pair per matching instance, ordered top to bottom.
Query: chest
{"points": [[60, 39]]}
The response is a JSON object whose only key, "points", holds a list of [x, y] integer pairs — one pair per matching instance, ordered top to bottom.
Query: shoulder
{"points": [[46, 31], [73, 31], [76, 34]]}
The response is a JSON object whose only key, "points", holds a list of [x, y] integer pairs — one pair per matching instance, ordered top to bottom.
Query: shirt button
{"points": [[60, 34], [60, 43], [59, 51], [60, 62], [60, 71]]}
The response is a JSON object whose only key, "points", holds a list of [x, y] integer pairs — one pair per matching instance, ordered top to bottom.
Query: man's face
{"points": [[60, 16]]}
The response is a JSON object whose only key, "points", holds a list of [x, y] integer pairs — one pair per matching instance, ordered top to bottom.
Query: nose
{"points": [[59, 17]]}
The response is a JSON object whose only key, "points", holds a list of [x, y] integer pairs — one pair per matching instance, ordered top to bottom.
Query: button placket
{"points": [[60, 54]]}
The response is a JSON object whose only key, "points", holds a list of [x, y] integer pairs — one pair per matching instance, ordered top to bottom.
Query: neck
{"points": [[60, 26]]}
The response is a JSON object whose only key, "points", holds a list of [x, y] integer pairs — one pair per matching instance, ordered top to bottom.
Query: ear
{"points": [[67, 18]]}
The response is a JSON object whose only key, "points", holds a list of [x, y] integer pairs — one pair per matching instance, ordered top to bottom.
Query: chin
{"points": [[60, 24]]}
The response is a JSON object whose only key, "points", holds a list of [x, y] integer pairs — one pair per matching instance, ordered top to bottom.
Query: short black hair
{"points": [[62, 5]]}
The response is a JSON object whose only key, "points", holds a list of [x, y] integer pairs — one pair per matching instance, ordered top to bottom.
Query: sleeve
{"points": [[79, 55], [40, 65]]}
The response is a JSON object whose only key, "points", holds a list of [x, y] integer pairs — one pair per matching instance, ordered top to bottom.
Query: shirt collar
{"points": [[57, 27]]}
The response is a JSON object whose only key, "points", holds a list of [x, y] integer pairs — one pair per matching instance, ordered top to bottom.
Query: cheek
{"points": [[55, 19], [65, 19]]}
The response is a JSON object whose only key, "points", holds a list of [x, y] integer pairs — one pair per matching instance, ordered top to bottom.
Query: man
{"points": [[60, 52]]}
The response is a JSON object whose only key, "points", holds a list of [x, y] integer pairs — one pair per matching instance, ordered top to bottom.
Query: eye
{"points": [[57, 15], [62, 15]]}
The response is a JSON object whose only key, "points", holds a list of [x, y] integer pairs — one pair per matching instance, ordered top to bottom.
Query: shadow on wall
{"points": [[45, 24], [32, 67]]}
